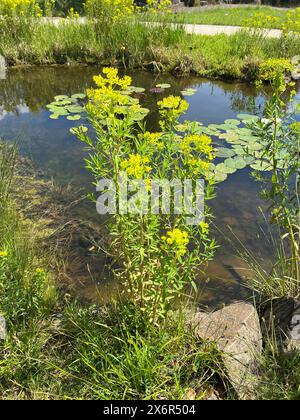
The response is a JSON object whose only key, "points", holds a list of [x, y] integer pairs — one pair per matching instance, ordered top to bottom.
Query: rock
{"points": [[2, 67], [296, 73], [280, 319], [2, 328], [237, 333]]}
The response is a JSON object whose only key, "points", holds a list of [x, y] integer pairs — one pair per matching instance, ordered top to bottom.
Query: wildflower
{"points": [[170, 108], [295, 127], [152, 139], [198, 143], [136, 165], [204, 227], [178, 240], [3, 254], [39, 271]]}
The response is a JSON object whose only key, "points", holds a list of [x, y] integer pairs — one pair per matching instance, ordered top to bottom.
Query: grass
{"points": [[236, 16], [227, 57]]}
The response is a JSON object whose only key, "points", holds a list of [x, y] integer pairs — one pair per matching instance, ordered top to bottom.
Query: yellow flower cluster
{"points": [[159, 5], [20, 7], [110, 10], [260, 20], [292, 21], [274, 67], [112, 79], [109, 88], [170, 109], [295, 127], [152, 139], [200, 143], [196, 144], [136, 166], [198, 166], [204, 227], [178, 240], [3, 254]]}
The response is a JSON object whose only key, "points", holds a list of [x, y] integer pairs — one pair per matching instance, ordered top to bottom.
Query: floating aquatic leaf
{"points": [[163, 85], [136, 89], [188, 92], [78, 96], [61, 97], [75, 109], [54, 116], [74, 117], [247, 117], [232, 122], [181, 127], [227, 127], [230, 137], [254, 147], [224, 152], [249, 159], [236, 163], [261, 165], [222, 167], [219, 176]]}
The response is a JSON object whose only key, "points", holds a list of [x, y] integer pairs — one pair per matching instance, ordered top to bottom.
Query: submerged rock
{"points": [[2, 328], [236, 330]]}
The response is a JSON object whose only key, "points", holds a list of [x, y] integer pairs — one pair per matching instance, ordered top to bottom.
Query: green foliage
{"points": [[280, 137]]}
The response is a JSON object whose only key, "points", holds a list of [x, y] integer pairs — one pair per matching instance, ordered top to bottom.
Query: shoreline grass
{"points": [[162, 48]]}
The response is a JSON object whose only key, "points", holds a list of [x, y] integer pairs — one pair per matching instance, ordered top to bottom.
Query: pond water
{"points": [[23, 116]]}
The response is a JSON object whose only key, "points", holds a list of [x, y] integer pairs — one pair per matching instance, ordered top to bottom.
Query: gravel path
{"points": [[190, 28], [219, 29]]}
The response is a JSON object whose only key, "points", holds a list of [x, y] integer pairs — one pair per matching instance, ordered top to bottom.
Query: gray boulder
{"points": [[236, 330]]}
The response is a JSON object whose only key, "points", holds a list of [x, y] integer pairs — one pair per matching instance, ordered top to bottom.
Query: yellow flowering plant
{"points": [[29, 8], [112, 11], [160, 252]]}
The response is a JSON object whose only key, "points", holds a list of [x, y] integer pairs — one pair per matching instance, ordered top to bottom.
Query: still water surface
{"points": [[23, 116]]}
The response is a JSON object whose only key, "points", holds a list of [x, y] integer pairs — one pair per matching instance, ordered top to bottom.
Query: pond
{"points": [[24, 117]]}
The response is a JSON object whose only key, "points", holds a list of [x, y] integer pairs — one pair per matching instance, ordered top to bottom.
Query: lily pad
{"points": [[163, 85], [136, 89], [188, 92], [78, 96], [61, 97], [75, 109], [74, 117], [247, 117], [232, 122], [224, 152], [235, 163], [261, 165]]}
